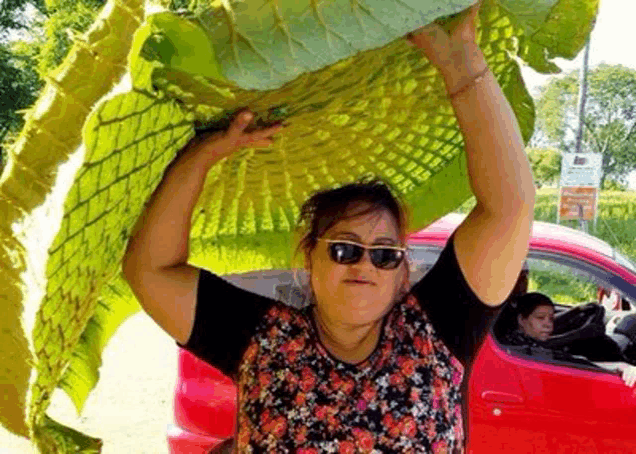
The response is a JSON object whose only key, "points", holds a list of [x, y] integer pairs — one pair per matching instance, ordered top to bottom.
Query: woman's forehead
{"points": [[373, 225], [544, 309]]}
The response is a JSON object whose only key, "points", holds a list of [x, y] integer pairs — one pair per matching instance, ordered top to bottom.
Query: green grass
{"points": [[616, 223], [562, 288]]}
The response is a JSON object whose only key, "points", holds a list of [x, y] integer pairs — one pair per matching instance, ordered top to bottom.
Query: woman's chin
{"points": [[367, 310]]}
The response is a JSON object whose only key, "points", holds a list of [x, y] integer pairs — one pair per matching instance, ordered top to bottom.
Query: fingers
{"points": [[474, 11], [470, 21], [430, 31], [428, 38], [239, 123], [266, 133], [237, 136], [262, 138], [629, 375]]}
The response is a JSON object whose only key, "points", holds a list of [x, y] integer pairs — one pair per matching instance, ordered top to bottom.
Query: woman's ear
{"points": [[407, 275], [405, 284]]}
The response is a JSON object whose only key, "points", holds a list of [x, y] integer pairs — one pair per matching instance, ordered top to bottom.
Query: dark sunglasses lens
{"points": [[345, 253], [387, 259]]}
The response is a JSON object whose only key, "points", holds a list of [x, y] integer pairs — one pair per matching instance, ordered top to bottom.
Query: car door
{"points": [[525, 401]]}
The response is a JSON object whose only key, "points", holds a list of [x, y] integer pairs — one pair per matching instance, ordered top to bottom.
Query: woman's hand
{"points": [[456, 55], [222, 144], [156, 269], [628, 372]]}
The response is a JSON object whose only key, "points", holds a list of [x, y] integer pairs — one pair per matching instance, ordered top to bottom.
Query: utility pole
{"points": [[582, 96], [581, 109]]}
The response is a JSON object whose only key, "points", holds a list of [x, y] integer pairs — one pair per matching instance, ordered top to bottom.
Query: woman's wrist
{"points": [[462, 67], [204, 152]]}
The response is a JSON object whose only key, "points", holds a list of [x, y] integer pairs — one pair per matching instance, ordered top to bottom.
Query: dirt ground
{"points": [[132, 404]]}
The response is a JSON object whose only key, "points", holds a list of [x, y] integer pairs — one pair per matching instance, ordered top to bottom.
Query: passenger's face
{"points": [[359, 293], [539, 324]]}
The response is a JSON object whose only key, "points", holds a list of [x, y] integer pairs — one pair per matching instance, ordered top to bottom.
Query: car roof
{"points": [[544, 235]]}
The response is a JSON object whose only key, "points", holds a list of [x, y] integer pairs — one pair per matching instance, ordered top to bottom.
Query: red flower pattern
{"points": [[407, 366], [308, 379], [369, 392], [301, 398], [318, 400], [391, 425], [408, 426], [301, 435], [364, 440], [346, 447], [440, 447]]}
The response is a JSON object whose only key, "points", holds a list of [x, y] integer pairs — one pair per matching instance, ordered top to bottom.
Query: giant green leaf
{"points": [[359, 101], [28, 199]]}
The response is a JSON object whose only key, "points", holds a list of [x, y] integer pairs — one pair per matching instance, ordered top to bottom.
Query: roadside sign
{"points": [[582, 169], [579, 187], [578, 203]]}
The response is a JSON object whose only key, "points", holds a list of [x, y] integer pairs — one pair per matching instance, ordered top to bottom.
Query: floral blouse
{"points": [[294, 396]]}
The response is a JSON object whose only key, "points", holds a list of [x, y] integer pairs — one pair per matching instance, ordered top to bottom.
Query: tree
{"points": [[14, 17], [65, 20], [30, 46], [19, 82], [19, 85], [610, 117], [546, 165]]}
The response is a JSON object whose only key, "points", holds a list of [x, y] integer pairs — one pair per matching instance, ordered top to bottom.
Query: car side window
{"points": [[568, 282], [562, 283], [584, 325]]}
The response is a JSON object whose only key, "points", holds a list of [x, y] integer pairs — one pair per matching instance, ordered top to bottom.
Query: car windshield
{"points": [[565, 280]]}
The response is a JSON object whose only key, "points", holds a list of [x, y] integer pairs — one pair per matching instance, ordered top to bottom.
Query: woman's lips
{"points": [[358, 282]]}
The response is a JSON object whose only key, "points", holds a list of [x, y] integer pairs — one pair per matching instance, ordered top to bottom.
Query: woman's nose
{"points": [[365, 260]]}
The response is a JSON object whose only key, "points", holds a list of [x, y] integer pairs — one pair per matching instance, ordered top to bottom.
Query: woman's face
{"points": [[360, 293], [539, 324]]}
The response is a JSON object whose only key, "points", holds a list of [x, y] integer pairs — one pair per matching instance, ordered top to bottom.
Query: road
{"points": [[132, 404]]}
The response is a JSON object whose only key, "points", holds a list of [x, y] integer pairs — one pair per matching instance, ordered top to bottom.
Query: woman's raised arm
{"points": [[492, 243], [155, 263]]}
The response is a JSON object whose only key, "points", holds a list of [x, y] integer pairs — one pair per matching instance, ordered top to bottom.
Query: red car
{"points": [[521, 400]]}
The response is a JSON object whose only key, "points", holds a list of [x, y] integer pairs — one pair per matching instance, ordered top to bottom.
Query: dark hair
{"points": [[325, 208], [521, 286], [526, 304]]}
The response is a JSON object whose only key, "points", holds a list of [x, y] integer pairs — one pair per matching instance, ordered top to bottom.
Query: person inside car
{"points": [[535, 326], [371, 364]]}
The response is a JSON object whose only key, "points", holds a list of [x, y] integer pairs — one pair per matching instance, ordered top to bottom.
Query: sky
{"points": [[612, 42]]}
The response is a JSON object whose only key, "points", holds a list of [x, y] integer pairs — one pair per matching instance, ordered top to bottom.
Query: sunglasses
{"points": [[348, 252]]}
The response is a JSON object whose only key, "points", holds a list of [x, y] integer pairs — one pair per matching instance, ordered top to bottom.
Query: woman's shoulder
{"points": [[408, 314], [517, 338]]}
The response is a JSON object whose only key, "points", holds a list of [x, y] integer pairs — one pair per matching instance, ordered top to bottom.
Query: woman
{"points": [[535, 318], [371, 364]]}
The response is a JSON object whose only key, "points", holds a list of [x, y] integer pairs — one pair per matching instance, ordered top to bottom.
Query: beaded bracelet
{"points": [[478, 78]]}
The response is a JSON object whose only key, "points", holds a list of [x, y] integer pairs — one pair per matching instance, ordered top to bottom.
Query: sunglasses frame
{"points": [[366, 248]]}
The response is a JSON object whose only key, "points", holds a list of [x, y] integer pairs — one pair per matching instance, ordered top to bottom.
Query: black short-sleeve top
{"points": [[294, 396]]}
